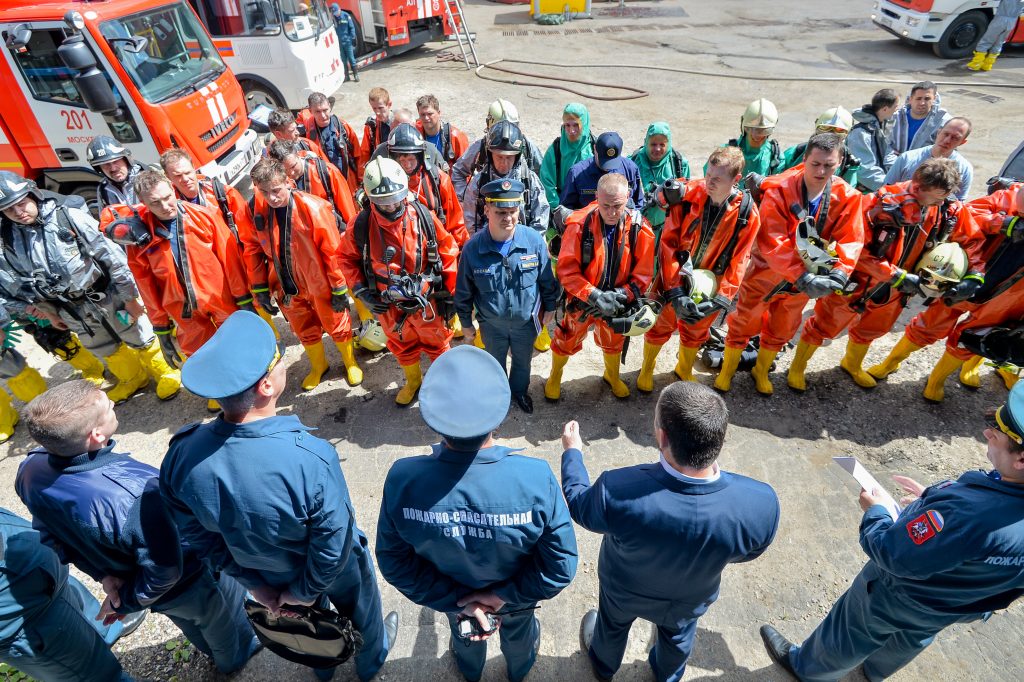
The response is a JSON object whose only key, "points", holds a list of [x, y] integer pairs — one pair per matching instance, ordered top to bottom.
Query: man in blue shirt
{"points": [[346, 29], [917, 122], [952, 135], [580, 188], [505, 273], [259, 498], [102, 511], [670, 528], [475, 529], [954, 555], [47, 618]]}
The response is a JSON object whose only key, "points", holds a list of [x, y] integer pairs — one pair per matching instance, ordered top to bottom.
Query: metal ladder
{"points": [[457, 20]]}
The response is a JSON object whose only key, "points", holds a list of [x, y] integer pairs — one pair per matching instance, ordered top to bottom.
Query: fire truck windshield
{"points": [[304, 19], [178, 55]]}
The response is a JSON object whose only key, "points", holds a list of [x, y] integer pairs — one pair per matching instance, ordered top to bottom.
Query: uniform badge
{"points": [[610, 153], [506, 185], [925, 527]]}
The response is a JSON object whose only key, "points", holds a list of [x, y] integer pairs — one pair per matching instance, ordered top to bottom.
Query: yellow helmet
{"points": [[502, 110], [760, 114], [834, 120], [941, 267], [705, 286], [637, 321], [372, 336]]}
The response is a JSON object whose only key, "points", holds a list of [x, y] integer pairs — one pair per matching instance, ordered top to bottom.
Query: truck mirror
{"points": [[19, 37], [133, 44], [90, 81]]}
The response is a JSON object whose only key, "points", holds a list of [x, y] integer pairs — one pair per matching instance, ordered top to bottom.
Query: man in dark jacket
{"points": [[869, 139], [101, 511], [670, 529]]}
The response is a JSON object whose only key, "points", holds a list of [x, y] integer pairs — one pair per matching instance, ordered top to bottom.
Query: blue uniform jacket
{"points": [[345, 28], [580, 188], [505, 289], [264, 501], [102, 512], [452, 523], [666, 540], [959, 549], [30, 573]]}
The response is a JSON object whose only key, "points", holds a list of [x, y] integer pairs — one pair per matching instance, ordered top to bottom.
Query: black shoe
{"points": [[525, 403], [132, 622], [587, 626], [391, 628], [536, 643], [778, 648]]}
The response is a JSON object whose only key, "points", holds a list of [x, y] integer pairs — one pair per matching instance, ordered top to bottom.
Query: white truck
{"points": [[953, 27]]}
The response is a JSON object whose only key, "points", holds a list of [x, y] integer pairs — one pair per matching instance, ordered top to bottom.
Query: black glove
{"points": [[670, 193], [559, 214], [1013, 228], [130, 231], [907, 283], [815, 286], [962, 291], [265, 300], [339, 300], [372, 301], [608, 303], [246, 304], [708, 308], [685, 309], [167, 347]]}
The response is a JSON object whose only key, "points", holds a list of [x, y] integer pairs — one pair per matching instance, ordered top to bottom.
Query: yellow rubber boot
{"points": [[976, 61], [990, 61], [362, 311], [269, 320], [455, 324], [478, 340], [543, 341], [896, 356], [730, 361], [85, 362], [853, 363], [126, 365], [317, 365], [684, 365], [762, 367], [352, 370], [970, 373], [611, 375], [1008, 376], [797, 378], [168, 379], [413, 379], [645, 381], [27, 384], [553, 387], [934, 390], [212, 405], [8, 417]]}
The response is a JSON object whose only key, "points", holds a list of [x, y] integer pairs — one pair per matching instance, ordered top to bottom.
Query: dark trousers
{"points": [[518, 337], [354, 593], [211, 615], [615, 616], [870, 624], [517, 637], [64, 644]]}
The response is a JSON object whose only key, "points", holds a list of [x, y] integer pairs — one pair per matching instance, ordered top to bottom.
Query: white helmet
{"points": [[502, 110], [760, 114], [835, 120], [384, 181], [941, 267], [705, 286], [639, 320], [372, 336]]}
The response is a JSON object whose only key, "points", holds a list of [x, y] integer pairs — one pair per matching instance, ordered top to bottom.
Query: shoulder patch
{"points": [[185, 430], [924, 527]]}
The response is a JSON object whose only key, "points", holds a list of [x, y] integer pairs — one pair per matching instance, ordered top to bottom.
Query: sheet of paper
{"points": [[868, 482]]}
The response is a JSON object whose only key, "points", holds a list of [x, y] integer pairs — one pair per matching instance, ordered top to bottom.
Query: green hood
{"points": [[573, 152], [651, 172]]}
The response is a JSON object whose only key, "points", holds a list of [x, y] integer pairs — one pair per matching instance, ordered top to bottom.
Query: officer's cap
{"points": [[609, 153], [503, 193], [238, 355], [465, 393], [1010, 417]]}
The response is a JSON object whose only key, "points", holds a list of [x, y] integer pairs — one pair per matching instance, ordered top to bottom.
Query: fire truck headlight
{"points": [[74, 20]]}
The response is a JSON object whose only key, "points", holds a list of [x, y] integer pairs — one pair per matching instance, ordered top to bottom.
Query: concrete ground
{"points": [[787, 440]]}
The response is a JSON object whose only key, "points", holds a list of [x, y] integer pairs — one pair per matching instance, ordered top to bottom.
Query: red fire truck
{"points": [[390, 27], [142, 71]]}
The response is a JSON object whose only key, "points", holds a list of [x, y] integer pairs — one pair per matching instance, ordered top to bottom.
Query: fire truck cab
{"points": [[391, 27], [143, 71]]}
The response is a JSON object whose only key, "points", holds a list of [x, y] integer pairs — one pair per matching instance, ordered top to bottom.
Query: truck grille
{"points": [[218, 130], [223, 140]]}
